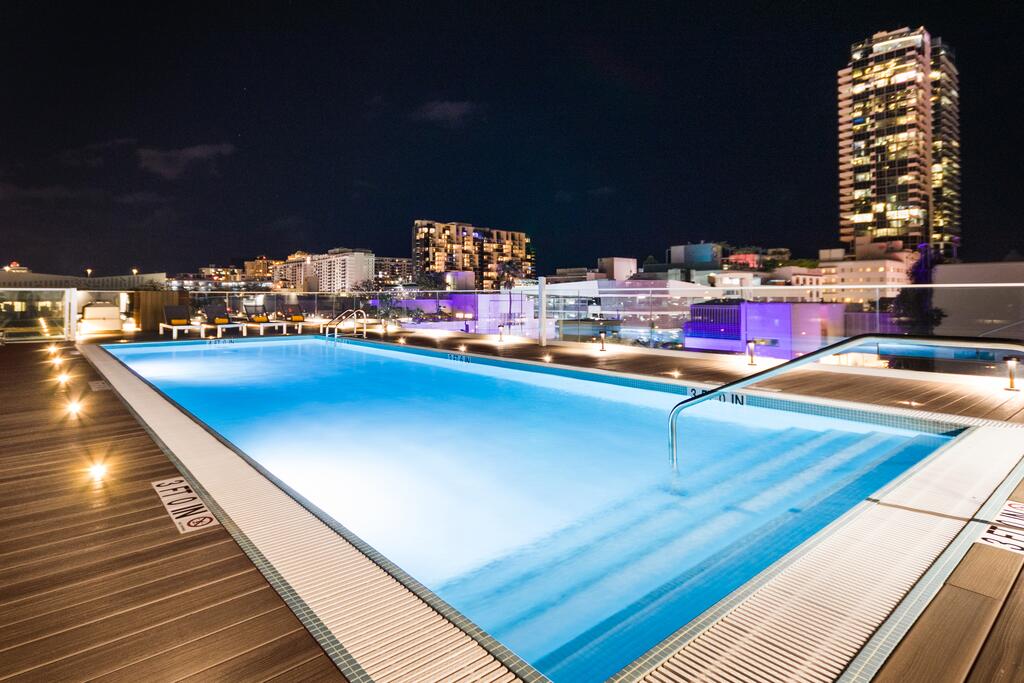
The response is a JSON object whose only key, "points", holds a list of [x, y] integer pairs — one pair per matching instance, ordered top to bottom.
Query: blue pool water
{"points": [[541, 507]]}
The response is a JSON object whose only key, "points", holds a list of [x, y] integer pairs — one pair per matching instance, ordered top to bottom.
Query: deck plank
{"points": [[942, 646], [1002, 658]]}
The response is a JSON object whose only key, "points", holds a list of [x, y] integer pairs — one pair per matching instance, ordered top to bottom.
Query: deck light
{"points": [[501, 333], [401, 340], [602, 340], [462, 348], [51, 349], [547, 358], [56, 360], [751, 360], [1011, 369], [675, 374], [63, 378], [74, 407], [97, 471]]}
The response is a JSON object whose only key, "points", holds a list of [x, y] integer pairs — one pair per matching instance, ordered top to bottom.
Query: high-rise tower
{"points": [[899, 142]]}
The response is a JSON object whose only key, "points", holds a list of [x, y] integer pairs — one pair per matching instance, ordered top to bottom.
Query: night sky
{"points": [[170, 137]]}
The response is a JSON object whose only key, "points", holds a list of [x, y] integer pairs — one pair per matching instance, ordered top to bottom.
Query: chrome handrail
{"points": [[355, 315], [831, 349]]}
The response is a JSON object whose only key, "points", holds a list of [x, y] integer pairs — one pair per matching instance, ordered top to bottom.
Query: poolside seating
{"points": [[294, 315], [257, 316], [177, 318], [217, 318]]}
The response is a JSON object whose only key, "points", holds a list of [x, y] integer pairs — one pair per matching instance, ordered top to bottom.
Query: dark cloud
{"points": [[447, 113], [93, 155], [170, 164], [48, 193], [142, 197]]}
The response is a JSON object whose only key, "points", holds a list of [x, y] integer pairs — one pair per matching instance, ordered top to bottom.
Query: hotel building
{"points": [[899, 142], [443, 247], [339, 270], [392, 271]]}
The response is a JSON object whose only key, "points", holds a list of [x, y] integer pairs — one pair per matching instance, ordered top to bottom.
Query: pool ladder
{"points": [[354, 314], [848, 344]]}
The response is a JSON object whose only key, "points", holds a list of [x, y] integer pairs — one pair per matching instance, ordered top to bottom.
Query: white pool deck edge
{"points": [[805, 617]]}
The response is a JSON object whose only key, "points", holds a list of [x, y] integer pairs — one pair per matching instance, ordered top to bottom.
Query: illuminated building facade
{"points": [[899, 142], [443, 247], [392, 271]]}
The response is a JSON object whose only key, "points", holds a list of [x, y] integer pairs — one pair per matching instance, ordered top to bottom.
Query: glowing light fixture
{"points": [[401, 340], [602, 340], [462, 348], [51, 349], [546, 358], [56, 360], [751, 360], [1011, 370], [675, 374], [63, 378], [74, 407], [97, 471]]}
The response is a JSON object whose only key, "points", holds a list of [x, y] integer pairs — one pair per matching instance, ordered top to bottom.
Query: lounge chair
{"points": [[294, 315], [257, 316], [177, 318], [217, 318]]}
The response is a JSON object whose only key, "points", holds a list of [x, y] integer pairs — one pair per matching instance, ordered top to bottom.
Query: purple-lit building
{"points": [[780, 330]]}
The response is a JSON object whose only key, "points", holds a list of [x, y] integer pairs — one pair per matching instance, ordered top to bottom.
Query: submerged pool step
{"points": [[615, 519], [528, 598]]}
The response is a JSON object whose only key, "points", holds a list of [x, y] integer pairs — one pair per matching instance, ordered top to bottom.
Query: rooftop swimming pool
{"points": [[542, 507]]}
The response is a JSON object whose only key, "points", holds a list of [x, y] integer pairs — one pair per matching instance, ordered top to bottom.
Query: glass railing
{"points": [[34, 314]]}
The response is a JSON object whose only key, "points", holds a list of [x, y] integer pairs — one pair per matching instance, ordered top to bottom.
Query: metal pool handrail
{"points": [[355, 315], [831, 349]]}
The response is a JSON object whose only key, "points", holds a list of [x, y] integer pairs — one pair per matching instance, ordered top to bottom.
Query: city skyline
{"points": [[632, 131]]}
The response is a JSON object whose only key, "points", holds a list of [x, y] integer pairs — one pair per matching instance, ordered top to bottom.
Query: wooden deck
{"points": [[917, 394], [96, 583]]}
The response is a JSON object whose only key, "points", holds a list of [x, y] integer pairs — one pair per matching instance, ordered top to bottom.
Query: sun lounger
{"points": [[257, 316], [177, 318], [217, 318]]}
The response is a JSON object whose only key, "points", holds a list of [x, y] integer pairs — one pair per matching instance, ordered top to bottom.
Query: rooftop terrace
{"points": [[99, 584]]}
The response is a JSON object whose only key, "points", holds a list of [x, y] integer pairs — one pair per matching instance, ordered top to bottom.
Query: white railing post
{"points": [[70, 313], [542, 322]]}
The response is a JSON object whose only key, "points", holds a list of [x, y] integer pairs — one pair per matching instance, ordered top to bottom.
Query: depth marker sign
{"points": [[184, 506], [1007, 529]]}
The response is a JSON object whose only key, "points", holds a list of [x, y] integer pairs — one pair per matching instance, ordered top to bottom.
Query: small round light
{"points": [[401, 340], [462, 348], [51, 349], [547, 358], [56, 360], [63, 378], [74, 407], [97, 471]]}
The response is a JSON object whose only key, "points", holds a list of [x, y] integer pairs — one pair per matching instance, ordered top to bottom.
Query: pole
{"points": [[542, 322]]}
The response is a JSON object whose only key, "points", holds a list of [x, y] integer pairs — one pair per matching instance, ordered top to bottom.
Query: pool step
{"points": [[575, 575]]}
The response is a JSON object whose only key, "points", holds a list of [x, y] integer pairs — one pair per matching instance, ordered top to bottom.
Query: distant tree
{"points": [[650, 260], [508, 272], [429, 281], [913, 308]]}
